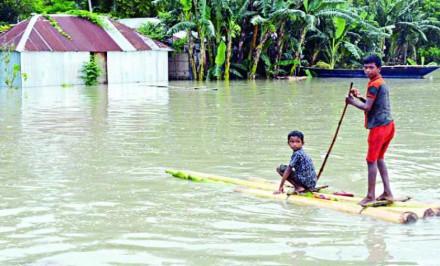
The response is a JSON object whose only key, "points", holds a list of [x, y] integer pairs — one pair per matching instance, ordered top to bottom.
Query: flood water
{"points": [[83, 182]]}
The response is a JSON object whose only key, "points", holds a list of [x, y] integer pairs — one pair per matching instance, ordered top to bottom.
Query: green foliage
{"points": [[186, 5], [55, 6], [130, 8], [12, 11], [92, 17], [339, 24], [56, 26], [4, 28], [156, 31], [335, 31], [179, 46], [354, 50], [431, 54], [220, 58], [288, 62], [411, 62], [324, 65], [236, 67], [90, 72], [10, 76]]}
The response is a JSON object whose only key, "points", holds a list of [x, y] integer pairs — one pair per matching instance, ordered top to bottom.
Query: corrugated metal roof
{"points": [[13, 36], [85, 36], [131, 36], [161, 45]]}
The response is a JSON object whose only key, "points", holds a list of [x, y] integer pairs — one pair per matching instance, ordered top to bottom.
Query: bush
{"points": [[155, 31], [431, 55], [91, 72]]}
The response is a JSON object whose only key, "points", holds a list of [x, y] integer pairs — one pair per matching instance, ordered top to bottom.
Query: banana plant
{"points": [[237, 11], [407, 22], [187, 24], [206, 30], [220, 59]]}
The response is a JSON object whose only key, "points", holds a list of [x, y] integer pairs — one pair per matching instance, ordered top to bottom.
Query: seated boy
{"points": [[300, 172]]}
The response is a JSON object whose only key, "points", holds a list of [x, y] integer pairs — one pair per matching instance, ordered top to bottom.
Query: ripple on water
{"points": [[83, 179]]}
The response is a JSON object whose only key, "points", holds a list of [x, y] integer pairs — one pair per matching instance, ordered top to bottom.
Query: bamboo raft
{"points": [[400, 211]]}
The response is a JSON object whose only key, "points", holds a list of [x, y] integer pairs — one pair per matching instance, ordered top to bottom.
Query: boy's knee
{"points": [[281, 169]]}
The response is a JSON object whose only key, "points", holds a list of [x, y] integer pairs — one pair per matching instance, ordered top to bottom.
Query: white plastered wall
{"points": [[137, 66], [53, 68]]}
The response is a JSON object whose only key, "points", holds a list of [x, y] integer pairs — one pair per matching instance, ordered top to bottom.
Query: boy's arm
{"points": [[357, 94], [364, 105], [283, 180]]}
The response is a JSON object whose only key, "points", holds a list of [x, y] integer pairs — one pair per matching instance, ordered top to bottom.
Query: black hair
{"points": [[372, 59], [296, 134]]}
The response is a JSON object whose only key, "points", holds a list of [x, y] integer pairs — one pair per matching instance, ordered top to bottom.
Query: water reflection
{"points": [[83, 180], [376, 245]]}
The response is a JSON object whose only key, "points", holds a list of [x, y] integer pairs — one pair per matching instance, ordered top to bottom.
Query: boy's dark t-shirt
{"points": [[380, 112], [304, 169]]}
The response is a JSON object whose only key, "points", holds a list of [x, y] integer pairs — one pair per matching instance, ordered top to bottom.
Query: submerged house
{"points": [[52, 51], [178, 64]]}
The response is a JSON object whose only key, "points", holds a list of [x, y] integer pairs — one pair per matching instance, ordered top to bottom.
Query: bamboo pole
{"points": [[335, 136], [202, 177], [261, 184], [271, 185], [402, 202], [402, 217]]}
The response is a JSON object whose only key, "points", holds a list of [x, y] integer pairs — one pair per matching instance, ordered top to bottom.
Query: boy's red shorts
{"points": [[378, 141]]}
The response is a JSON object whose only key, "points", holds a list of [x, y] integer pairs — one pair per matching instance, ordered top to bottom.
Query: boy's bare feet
{"points": [[385, 196], [365, 201]]}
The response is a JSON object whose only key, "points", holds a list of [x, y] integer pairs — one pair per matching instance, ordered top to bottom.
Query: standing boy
{"points": [[378, 120]]}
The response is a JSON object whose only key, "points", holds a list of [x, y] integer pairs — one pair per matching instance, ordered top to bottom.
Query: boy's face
{"points": [[371, 70], [295, 143]]}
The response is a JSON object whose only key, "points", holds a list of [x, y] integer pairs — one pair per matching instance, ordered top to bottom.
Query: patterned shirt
{"points": [[304, 169]]}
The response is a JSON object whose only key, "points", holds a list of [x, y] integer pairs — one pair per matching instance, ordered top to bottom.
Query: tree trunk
{"points": [[90, 6], [254, 42], [240, 47], [279, 47], [259, 48], [210, 49], [299, 51], [405, 52], [414, 53], [191, 54], [228, 56], [314, 56], [202, 57]]}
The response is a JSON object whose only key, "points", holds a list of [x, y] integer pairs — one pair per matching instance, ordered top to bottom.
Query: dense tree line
{"points": [[269, 38]]}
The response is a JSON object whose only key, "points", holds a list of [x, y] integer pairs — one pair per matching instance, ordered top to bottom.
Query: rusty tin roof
{"points": [[37, 34]]}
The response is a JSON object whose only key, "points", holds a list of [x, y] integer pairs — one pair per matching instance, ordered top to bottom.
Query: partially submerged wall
{"points": [[137, 66], [53, 68]]}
